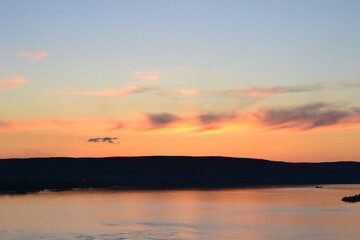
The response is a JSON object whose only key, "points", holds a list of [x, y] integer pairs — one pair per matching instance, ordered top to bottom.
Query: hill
{"points": [[34, 174]]}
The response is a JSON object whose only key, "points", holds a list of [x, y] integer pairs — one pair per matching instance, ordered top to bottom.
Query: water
{"points": [[252, 214]]}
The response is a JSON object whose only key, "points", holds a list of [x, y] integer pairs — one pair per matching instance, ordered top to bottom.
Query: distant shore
{"points": [[165, 172], [124, 188]]}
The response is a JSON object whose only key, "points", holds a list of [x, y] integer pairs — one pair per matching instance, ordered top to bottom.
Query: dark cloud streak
{"points": [[261, 91], [305, 117], [215, 118], [160, 120], [104, 140]]}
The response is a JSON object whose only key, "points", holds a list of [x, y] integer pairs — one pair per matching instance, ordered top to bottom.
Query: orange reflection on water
{"points": [[253, 213]]}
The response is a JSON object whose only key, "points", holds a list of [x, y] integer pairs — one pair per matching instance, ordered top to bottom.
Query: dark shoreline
{"points": [[164, 172], [122, 188]]}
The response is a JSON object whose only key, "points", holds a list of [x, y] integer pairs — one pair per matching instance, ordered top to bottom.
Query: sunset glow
{"points": [[254, 79]]}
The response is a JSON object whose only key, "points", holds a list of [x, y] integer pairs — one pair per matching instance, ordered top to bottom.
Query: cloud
{"points": [[32, 55], [150, 76], [12, 83], [143, 84], [351, 84], [261, 91], [179, 92], [184, 92], [109, 93], [357, 110], [306, 117], [215, 118], [300, 118], [160, 120], [192, 121], [212, 121], [3, 124], [37, 124], [104, 124], [117, 125], [104, 139]]}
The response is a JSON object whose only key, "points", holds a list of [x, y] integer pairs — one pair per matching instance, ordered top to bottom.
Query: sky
{"points": [[276, 80]]}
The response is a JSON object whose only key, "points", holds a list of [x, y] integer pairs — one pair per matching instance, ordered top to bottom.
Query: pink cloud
{"points": [[32, 55], [147, 76], [12, 83], [262, 91], [186, 92], [109, 93], [174, 93], [33, 124], [58, 124]]}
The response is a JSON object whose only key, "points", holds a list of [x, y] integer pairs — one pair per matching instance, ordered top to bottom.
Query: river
{"points": [[272, 213]]}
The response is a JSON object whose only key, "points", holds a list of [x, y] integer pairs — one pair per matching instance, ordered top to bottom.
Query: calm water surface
{"points": [[250, 214]]}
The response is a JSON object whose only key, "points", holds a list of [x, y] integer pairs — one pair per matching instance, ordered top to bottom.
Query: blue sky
{"points": [[269, 42]]}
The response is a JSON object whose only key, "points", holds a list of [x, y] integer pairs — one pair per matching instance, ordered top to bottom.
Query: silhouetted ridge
{"points": [[167, 172]]}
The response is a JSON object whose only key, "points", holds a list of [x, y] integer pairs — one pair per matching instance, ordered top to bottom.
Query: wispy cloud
{"points": [[32, 55], [147, 76], [11, 83], [143, 83], [350, 84], [261, 91], [179, 92], [187, 92], [109, 93], [306, 117], [292, 118], [301, 118], [192, 121], [3, 124], [39, 124], [58, 124], [104, 140]]}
